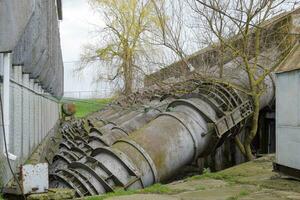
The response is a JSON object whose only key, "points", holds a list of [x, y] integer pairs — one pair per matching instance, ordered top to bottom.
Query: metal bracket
{"points": [[234, 117]]}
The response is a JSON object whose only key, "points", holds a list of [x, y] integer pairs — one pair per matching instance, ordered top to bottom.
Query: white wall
{"points": [[288, 119]]}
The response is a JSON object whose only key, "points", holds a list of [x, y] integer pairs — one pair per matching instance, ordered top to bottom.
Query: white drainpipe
{"points": [[6, 101]]}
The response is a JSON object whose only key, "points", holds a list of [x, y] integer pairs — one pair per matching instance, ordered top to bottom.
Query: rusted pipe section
{"points": [[191, 128]]}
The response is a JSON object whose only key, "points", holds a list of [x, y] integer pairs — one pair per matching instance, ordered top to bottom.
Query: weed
{"points": [[200, 187], [243, 193]]}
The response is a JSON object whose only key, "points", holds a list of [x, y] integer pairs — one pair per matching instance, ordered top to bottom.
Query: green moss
{"points": [[87, 106], [2, 168], [241, 173], [217, 176], [279, 184], [200, 187], [154, 189], [158, 189], [57, 193], [244, 193], [112, 194], [238, 196]]}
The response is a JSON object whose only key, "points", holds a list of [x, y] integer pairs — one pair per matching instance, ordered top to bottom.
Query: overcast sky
{"points": [[76, 27]]}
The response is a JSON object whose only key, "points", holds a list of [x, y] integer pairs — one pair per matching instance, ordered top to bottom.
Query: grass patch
{"points": [[87, 106], [239, 173], [216, 175], [154, 189], [158, 189], [120, 192], [241, 194]]}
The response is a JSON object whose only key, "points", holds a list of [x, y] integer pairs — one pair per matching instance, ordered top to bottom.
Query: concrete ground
{"points": [[250, 181]]}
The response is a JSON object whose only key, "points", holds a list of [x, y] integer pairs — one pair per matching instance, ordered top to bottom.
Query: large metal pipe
{"points": [[191, 128], [107, 136], [150, 155]]}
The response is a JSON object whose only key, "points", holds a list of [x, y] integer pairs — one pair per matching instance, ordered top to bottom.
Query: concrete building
{"points": [[31, 77], [288, 115]]}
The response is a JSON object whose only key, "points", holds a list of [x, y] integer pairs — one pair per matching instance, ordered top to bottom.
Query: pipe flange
{"points": [[144, 154]]}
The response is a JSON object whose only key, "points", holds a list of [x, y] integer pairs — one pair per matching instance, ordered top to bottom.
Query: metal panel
{"points": [[11, 32], [288, 98], [17, 114], [39, 114], [43, 114], [31, 116], [36, 116], [11, 117], [26, 117], [288, 119], [41, 137], [288, 146], [35, 178]]}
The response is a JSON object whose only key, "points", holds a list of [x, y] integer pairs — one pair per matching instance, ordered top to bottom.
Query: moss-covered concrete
{"points": [[47, 148], [249, 181], [54, 194]]}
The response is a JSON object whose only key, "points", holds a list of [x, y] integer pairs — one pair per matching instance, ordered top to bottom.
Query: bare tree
{"points": [[240, 30], [171, 31]]}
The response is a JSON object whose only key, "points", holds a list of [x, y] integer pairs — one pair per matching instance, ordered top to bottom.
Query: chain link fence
{"points": [[99, 94]]}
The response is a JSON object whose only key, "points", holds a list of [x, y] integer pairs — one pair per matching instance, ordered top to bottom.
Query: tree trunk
{"points": [[128, 77], [254, 127], [240, 145]]}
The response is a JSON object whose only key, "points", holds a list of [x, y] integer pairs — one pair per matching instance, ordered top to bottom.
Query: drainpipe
{"points": [[6, 100]]}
